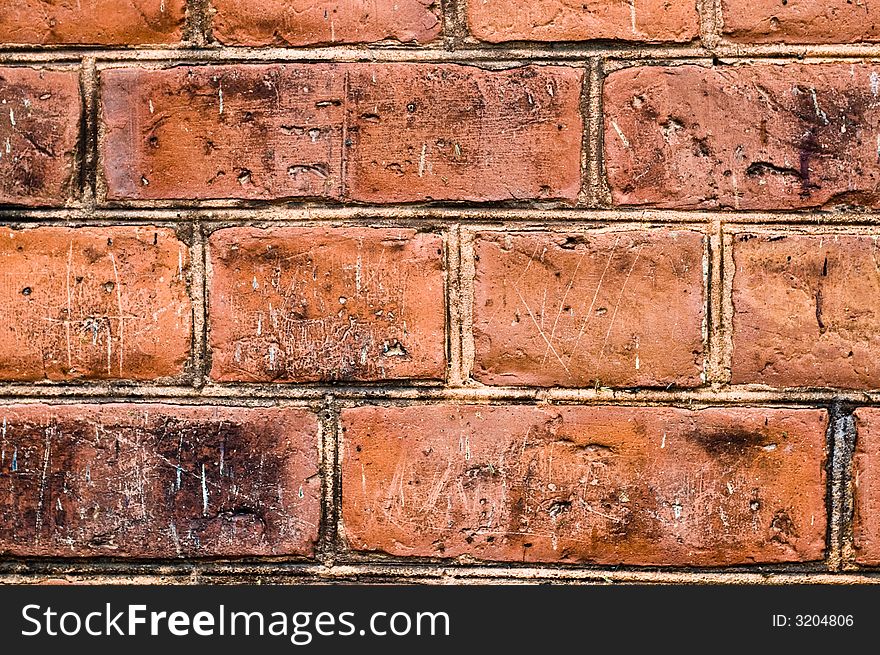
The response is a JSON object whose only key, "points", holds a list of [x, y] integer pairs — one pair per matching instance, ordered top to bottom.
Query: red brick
{"points": [[561, 20], [804, 21], [97, 22], [307, 22], [39, 129], [246, 132], [413, 132], [461, 133], [763, 136], [93, 303], [312, 304], [608, 308], [805, 311], [157, 481], [606, 485], [866, 488]]}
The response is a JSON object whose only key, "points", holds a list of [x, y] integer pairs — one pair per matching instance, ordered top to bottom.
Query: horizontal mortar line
{"points": [[487, 53], [489, 215], [265, 394], [435, 574]]}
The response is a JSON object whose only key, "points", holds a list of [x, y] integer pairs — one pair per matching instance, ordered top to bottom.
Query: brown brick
{"points": [[562, 20], [804, 21], [98, 22], [306, 22], [39, 129], [246, 132], [413, 132], [461, 133], [763, 136], [93, 303], [311, 304], [607, 308], [805, 311], [157, 481], [607, 485], [866, 488]]}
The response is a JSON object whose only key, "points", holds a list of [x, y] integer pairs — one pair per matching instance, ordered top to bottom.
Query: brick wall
{"points": [[484, 289]]}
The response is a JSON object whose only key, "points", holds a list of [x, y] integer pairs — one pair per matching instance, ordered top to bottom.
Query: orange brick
{"points": [[93, 303], [312, 304], [581, 309], [607, 485]]}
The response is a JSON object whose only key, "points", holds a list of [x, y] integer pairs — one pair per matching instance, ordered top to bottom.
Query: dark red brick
{"points": [[39, 130], [412, 132], [758, 136], [157, 481]]}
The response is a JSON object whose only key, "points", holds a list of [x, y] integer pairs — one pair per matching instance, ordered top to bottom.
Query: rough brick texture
{"points": [[564, 20], [804, 21], [84, 22], [307, 22], [39, 130], [374, 133], [792, 136], [93, 303], [303, 304], [611, 308], [805, 311], [153, 481], [658, 486], [866, 487]]}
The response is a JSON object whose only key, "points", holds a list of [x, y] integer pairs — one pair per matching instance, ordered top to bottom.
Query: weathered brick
{"points": [[562, 20], [804, 21], [97, 22], [306, 22], [39, 129], [223, 131], [412, 132], [461, 133], [763, 136], [93, 303], [310, 304], [608, 308], [805, 311], [157, 481], [608, 485], [866, 488]]}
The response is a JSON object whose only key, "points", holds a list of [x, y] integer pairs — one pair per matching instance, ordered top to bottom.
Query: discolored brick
{"points": [[308, 22], [39, 130], [198, 132], [372, 133], [460, 133], [792, 136], [93, 303], [313, 304], [583, 309], [804, 310], [157, 481], [655, 486]]}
